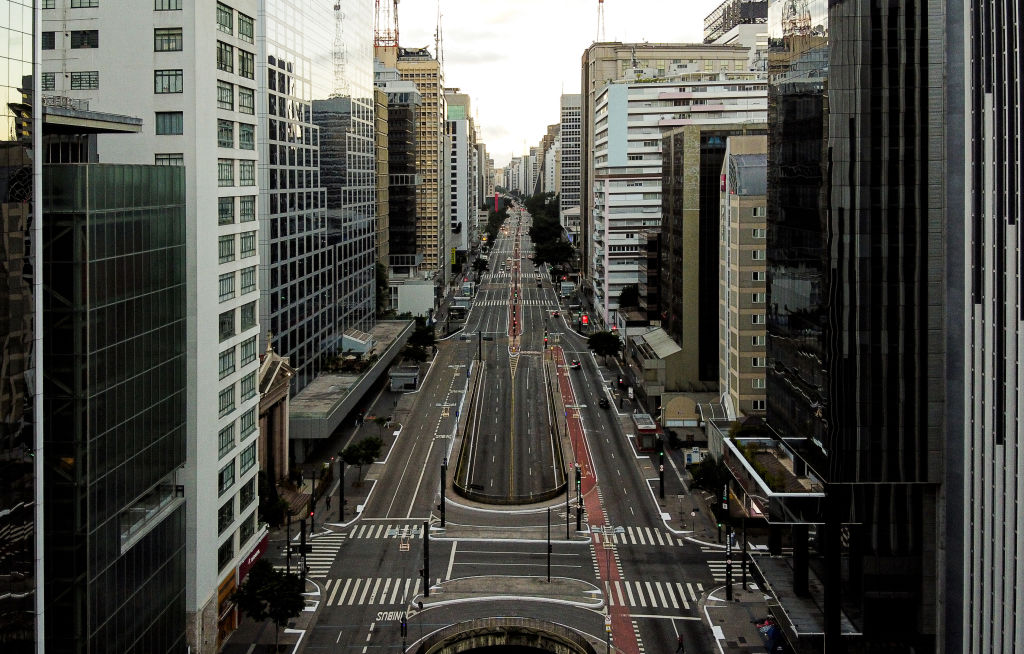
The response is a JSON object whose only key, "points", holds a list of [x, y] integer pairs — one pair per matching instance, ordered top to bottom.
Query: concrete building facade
{"points": [[569, 171], [742, 277]]}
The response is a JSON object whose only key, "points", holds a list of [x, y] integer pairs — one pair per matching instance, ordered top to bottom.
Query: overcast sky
{"points": [[515, 57]]}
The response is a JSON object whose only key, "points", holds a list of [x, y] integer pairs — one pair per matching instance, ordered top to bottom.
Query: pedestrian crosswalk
{"points": [[504, 303], [375, 530], [644, 536], [324, 550], [372, 591], [652, 594]]}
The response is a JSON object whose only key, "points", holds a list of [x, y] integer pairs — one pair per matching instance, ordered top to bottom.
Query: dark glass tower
{"points": [[857, 318], [114, 399]]}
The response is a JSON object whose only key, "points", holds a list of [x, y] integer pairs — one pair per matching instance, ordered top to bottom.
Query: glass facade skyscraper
{"points": [[115, 407], [18, 481]]}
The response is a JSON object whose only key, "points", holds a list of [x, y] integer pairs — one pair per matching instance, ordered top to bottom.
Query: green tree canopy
{"points": [[629, 297], [604, 343], [270, 594]]}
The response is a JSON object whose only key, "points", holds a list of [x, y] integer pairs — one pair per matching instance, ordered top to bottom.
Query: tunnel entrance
{"points": [[505, 636]]}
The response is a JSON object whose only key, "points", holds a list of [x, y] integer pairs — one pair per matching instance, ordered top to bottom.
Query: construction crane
{"points": [[600, 20], [385, 24], [339, 53]]}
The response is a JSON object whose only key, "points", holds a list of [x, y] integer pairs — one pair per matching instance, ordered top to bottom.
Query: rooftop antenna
{"points": [[600, 20], [385, 24], [439, 39], [339, 53]]}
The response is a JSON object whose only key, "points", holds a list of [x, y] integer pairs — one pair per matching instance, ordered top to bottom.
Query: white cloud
{"points": [[514, 58]]}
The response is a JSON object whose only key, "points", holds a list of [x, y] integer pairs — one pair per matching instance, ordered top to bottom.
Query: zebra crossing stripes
{"points": [[524, 302], [386, 531], [646, 536], [320, 559], [371, 591], [652, 594]]}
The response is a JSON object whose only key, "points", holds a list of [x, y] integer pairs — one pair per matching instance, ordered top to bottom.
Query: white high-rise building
{"points": [[188, 69], [628, 120], [462, 165], [569, 170]]}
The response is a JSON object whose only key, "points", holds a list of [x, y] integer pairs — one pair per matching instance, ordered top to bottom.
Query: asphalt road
{"points": [[375, 574]]}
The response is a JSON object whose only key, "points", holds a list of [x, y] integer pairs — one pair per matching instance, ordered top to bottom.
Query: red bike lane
{"points": [[621, 623]]}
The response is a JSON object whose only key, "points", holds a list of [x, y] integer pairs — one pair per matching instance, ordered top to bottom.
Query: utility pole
{"points": [[661, 467], [341, 490], [444, 500], [567, 507], [549, 544], [288, 547], [426, 559], [728, 563]]}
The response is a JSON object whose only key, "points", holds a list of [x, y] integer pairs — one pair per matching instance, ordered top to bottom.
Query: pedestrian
{"points": [[328, 500], [679, 648]]}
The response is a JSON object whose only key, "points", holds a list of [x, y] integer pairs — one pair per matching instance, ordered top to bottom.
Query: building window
{"points": [[49, 4], [85, 4], [167, 5], [225, 20], [245, 27], [85, 39], [167, 39], [49, 41], [225, 57], [246, 64], [85, 80], [49, 81], [168, 81], [225, 95], [246, 100], [169, 123], [225, 134], [246, 136], [635, 157], [170, 159], [225, 172], [247, 173], [247, 208], [225, 211], [758, 212], [758, 232], [247, 245], [226, 248], [757, 255], [757, 276], [248, 280], [227, 286], [757, 298], [248, 314], [757, 319], [226, 322], [757, 340], [248, 352], [226, 362], [757, 362], [757, 382], [249, 386], [226, 400], [758, 405], [248, 423], [225, 440], [248, 459], [226, 477], [248, 494], [225, 516], [248, 528], [226, 553]]}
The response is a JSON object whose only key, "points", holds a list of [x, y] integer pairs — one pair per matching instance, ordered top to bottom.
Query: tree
{"points": [[556, 252], [480, 265], [383, 290], [629, 297], [423, 334], [604, 343], [415, 353], [380, 421], [363, 453], [351, 456], [711, 475], [270, 594]]}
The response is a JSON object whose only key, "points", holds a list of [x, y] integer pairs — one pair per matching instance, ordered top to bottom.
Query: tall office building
{"points": [[732, 14], [609, 61], [196, 94], [404, 101], [380, 138], [461, 171], [569, 171], [627, 185], [432, 225], [296, 263], [741, 277], [861, 326], [21, 473], [985, 552]]}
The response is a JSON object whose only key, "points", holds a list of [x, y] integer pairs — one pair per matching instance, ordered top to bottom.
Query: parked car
{"points": [[603, 403]]}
